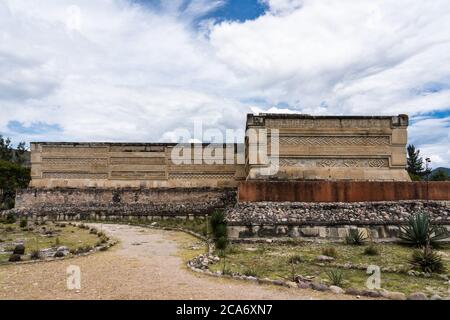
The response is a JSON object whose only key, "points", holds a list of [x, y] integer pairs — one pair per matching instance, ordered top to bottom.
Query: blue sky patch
{"points": [[231, 10], [238, 10], [33, 128]]}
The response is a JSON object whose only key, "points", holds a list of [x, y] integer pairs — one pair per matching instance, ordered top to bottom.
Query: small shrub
{"points": [[10, 218], [23, 223], [9, 229], [420, 232], [101, 234], [355, 237], [103, 239], [57, 242], [221, 243], [19, 249], [231, 249], [80, 250], [371, 250], [330, 252], [35, 255], [15, 258], [295, 259], [427, 261], [227, 271], [251, 272], [336, 277]]}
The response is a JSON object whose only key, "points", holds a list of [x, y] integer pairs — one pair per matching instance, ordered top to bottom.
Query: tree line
{"points": [[13, 173]]}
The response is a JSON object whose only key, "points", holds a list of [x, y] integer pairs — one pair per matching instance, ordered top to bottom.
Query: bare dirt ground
{"points": [[144, 265]]}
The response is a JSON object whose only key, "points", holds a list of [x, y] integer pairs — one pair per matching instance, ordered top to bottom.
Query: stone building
{"points": [[306, 148], [294, 176]]}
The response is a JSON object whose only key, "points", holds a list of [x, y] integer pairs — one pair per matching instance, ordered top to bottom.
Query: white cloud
{"points": [[121, 71]]}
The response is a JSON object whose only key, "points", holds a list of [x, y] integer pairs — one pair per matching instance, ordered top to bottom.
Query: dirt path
{"points": [[144, 265]]}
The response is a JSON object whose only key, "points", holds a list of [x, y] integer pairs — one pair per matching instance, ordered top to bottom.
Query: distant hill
{"points": [[441, 169]]}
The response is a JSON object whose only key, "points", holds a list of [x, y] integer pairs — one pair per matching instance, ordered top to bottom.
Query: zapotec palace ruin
{"points": [[296, 175]]}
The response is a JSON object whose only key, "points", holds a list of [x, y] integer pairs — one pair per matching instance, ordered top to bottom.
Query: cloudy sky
{"points": [[136, 70]]}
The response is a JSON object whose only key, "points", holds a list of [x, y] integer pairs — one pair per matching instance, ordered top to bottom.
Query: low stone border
{"points": [[103, 247], [204, 260], [408, 272], [308, 284]]}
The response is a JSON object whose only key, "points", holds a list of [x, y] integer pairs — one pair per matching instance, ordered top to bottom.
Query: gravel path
{"points": [[144, 265]]}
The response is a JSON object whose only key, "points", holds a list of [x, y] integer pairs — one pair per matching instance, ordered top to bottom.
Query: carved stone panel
{"points": [[336, 140], [329, 162]]}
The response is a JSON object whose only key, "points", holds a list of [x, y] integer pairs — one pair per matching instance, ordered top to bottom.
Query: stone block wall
{"points": [[368, 148], [134, 165], [342, 191], [125, 203], [328, 220]]}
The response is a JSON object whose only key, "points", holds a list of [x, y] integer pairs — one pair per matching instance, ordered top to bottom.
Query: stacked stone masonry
{"points": [[378, 220]]}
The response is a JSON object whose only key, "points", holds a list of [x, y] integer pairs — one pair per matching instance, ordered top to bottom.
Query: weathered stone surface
{"points": [[318, 147], [104, 204], [329, 220], [323, 258], [304, 285], [319, 286], [336, 289], [393, 295], [417, 296]]}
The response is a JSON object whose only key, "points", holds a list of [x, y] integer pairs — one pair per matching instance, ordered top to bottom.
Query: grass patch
{"points": [[38, 237], [273, 261]]}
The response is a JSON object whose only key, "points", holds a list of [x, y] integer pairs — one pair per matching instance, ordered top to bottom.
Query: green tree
{"points": [[6, 149], [20, 153], [414, 163], [440, 175], [12, 177]]}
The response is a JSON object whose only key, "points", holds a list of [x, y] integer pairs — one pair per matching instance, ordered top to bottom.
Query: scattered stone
{"points": [[59, 254], [323, 258], [265, 281], [278, 282], [291, 284], [304, 285], [319, 286], [336, 290], [353, 292], [371, 293], [417, 296], [436, 297]]}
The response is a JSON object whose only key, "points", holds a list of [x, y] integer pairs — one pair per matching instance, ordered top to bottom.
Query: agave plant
{"points": [[420, 232], [355, 237], [427, 261], [336, 277]]}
